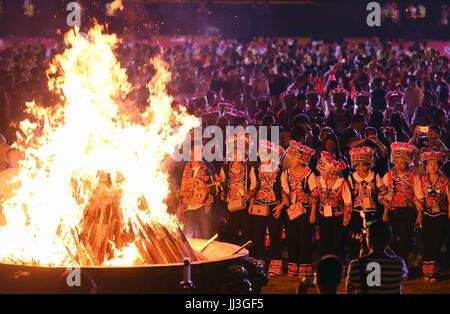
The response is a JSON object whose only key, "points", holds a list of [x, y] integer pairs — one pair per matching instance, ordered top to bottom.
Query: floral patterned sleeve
{"points": [[347, 197]]}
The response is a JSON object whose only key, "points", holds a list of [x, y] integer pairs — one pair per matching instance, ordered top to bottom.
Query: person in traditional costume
{"points": [[362, 103], [315, 113], [339, 117], [239, 182], [365, 184], [436, 190], [196, 195], [300, 196], [403, 198], [264, 204], [335, 204]]}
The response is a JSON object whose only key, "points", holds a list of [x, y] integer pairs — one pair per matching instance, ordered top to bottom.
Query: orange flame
{"points": [[113, 7], [93, 130]]}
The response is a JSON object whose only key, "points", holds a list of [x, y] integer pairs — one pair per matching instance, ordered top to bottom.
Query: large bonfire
{"points": [[92, 185]]}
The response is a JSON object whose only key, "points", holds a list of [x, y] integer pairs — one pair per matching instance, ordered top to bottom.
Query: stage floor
{"points": [[288, 285]]}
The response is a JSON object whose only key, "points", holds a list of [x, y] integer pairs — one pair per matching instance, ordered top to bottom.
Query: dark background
{"points": [[229, 19]]}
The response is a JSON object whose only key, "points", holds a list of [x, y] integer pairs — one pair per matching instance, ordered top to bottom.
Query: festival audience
{"points": [[327, 97], [329, 274], [382, 282]]}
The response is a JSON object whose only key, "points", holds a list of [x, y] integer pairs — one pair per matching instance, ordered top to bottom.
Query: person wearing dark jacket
{"points": [[378, 95]]}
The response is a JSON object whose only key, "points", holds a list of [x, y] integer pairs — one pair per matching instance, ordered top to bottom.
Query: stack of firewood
{"points": [[103, 229]]}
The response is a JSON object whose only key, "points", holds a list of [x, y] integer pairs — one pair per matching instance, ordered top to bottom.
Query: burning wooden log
{"points": [[103, 230]]}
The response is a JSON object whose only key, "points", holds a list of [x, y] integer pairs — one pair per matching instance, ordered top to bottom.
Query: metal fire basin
{"points": [[207, 276]]}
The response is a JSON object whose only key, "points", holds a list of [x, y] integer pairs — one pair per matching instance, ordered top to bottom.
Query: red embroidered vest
{"points": [[203, 174], [333, 197], [436, 202]]}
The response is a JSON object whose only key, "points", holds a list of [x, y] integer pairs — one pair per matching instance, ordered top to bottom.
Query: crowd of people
{"points": [[412, 18], [363, 137]]}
